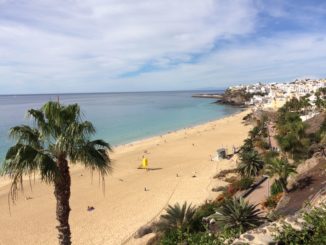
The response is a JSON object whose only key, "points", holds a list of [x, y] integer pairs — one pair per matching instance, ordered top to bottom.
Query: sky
{"points": [[66, 46]]}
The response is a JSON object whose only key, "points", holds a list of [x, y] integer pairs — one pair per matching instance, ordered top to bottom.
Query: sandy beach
{"points": [[182, 170]]}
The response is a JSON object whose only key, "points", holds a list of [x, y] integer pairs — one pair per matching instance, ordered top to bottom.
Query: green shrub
{"points": [[262, 144], [266, 145], [269, 156], [243, 183], [276, 188], [230, 191], [270, 202], [202, 211], [273, 216], [171, 237], [176, 237], [202, 238]]}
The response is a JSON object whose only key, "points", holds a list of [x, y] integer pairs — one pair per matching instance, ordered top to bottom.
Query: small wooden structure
{"points": [[221, 154]]}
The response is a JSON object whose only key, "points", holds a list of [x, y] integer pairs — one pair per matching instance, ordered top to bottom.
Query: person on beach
{"points": [[144, 164]]}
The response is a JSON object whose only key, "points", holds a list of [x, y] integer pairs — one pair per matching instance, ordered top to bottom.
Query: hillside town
{"points": [[275, 95]]}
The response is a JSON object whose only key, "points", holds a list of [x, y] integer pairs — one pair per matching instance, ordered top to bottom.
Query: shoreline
{"points": [[164, 132], [148, 138], [4, 181], [126, 207]]}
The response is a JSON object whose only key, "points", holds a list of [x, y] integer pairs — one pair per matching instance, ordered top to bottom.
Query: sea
{"points": [[119, 118]]}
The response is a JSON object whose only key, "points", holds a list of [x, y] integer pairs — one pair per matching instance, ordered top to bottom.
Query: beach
{"points": [[181, 170]]}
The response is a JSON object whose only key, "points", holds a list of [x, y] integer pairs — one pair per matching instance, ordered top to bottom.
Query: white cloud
{"points": [[49, 42], [73, 46], [280, 58]]}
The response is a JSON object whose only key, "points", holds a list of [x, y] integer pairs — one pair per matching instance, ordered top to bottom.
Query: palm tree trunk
{"points": [[62, 195]]}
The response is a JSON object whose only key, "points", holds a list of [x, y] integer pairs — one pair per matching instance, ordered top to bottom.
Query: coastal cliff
{"points": [[236, 97]]}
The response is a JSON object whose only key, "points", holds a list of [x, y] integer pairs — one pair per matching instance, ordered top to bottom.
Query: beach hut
{"points": [[221, 153]]}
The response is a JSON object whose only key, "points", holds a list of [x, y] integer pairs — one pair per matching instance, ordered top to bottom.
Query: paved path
{"points": [[272, 133], [260, 194]]}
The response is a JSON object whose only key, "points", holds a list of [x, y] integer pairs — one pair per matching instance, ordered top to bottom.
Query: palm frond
{"points": [[71, 113], [55, 120], [41, 123], [82, 129], [25, 135], [94, 155], [24, 160], [250, 164], [48, 168], [282, 169], [238, 214], [176, 217]]}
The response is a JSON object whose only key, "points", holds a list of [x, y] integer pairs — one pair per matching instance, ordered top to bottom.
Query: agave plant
{"points": [[60, 138], [238, 214], [176, 217]]}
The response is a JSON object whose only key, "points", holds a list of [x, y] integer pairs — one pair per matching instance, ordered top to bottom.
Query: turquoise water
{"points": [[120, 118]]}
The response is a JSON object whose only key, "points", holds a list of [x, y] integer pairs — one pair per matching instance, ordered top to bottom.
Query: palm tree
{"points": [[320, 99], [305, 103], [320, 103], [293, 105], [254, 133], [291, 134], [59, 136], [248, 145], [250, 163], [282, 169], [238, 214], [176, 216]]}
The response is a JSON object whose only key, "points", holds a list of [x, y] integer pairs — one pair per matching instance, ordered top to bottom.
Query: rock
{"points": [[236, 97], [212, 221], [271, 229], [144, 230], [265, 234], [249, 237], [238, 243]]}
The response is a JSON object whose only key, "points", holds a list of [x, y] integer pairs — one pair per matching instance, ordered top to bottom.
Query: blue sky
{"points": [[67, 46]]}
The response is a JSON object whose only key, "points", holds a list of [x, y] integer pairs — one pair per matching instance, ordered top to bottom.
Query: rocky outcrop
{"points": [[237, 97]]}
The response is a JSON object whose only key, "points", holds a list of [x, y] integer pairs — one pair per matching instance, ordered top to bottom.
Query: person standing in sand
{"points": [[144, 164]]}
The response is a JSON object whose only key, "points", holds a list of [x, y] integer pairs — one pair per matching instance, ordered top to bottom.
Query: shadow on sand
{"points": [[151, 169]]}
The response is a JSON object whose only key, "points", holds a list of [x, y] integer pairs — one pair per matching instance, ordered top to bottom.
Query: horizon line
{"points": [[114, 92]]}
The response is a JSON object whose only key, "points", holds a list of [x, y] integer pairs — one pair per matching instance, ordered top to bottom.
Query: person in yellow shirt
{"points": [[144, 163]]}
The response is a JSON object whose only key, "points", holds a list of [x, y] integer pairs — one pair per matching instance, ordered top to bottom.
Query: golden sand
{"points": [[182, 170]]}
